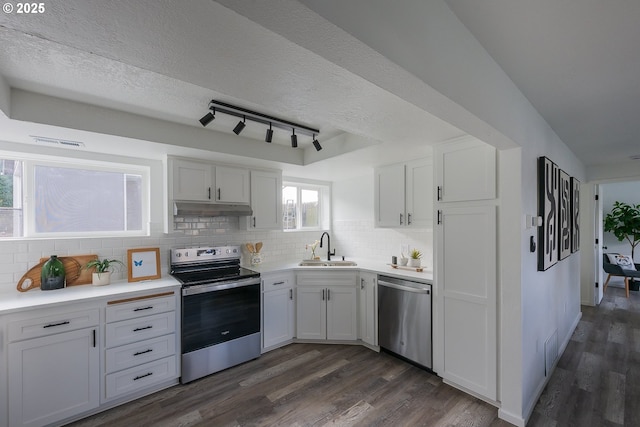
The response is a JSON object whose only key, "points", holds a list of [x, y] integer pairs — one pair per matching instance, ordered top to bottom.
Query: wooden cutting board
{"points": [[74, 269]]}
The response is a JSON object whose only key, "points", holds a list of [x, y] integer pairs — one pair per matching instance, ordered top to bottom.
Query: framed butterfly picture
{"points": [[144, 264]]}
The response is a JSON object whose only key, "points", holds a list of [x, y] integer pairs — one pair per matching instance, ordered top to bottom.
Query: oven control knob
{"points": [[228, 251], [178, 254]]}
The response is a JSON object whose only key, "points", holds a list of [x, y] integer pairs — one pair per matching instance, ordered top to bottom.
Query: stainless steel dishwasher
{"points": [[404, 319]]}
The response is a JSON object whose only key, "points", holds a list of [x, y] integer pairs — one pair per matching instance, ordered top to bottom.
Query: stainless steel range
{"points": [[220, 309]]}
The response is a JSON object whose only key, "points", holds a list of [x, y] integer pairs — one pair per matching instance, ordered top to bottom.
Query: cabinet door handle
{"points": [[209, 193], [439, 193], [219, 194], [439, 216], [400, 219], [408, 219], [254, 221], [361, 283], [291, 294], [328, 294], [323, 295], [143, 308], [53, 325], [142, 329], [94, 338], [142, 352], [139, 377]]}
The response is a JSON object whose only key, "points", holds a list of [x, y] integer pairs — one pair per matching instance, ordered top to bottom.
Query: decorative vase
{"points": [[256, 258], [404, 261], [414, 262], [52, 275], [101, 279]]}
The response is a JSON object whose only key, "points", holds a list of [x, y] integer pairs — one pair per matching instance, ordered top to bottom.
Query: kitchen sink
{"points": [[320, 263]]}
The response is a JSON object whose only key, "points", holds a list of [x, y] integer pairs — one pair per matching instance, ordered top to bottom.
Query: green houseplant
{"points": [[624, 222], [414, 258], [103, 269]]}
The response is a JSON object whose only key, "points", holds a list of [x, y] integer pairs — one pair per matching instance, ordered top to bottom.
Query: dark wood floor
{"points": [[596, 383]]}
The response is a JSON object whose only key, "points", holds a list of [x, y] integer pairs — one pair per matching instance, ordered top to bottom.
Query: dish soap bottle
{"points": [[53, 274]]}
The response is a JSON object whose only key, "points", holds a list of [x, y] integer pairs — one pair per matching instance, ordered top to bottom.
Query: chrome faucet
{"points": [[329, 253]]}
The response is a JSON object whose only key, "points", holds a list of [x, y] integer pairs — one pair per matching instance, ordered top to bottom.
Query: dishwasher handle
{"points": [[405, 288]]}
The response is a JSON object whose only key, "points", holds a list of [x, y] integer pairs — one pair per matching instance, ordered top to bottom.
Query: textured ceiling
{"points": [[166, 60]]}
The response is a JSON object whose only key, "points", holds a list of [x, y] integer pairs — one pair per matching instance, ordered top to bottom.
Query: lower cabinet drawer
{"points": [[136, 330], [135, 354], [140, 377]]}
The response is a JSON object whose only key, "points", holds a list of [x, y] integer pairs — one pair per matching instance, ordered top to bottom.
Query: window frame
{"points": [[30, 162], [324, 203]]}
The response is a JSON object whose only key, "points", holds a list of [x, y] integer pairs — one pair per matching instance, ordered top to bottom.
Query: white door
{"points": [[467, 171], [192, 180], [232, 185], [419, 190], [389, 196], [266, 200], [599, 226], [466, 275], [368, 309], [342, 313], [278, 317], [311, 320], [53, 377]]}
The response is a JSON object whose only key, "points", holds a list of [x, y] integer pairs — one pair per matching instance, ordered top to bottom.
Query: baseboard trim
{"points": [[511, 418]]}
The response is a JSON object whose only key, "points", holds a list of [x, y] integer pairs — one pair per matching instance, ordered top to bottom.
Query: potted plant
{"points": [[624, 222], [414, 258], [102, 274]]}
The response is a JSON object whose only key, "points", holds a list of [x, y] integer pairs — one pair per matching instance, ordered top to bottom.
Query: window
{"points": [[72, 200], [305, 206]]}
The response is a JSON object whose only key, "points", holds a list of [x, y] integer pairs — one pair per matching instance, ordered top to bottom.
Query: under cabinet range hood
{"points": [[210, 209]]}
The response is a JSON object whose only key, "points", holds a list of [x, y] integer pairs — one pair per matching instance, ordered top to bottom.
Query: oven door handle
{"points": [[212, 287]]}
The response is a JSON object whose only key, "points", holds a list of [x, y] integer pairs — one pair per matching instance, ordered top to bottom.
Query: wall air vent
{"points": [[58, 142]]}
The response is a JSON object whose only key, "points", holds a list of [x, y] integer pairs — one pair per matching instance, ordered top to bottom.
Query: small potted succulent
{"points": [[415, 258], [103, 268]]}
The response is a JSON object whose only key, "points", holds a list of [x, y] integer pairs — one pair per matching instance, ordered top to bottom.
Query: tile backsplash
{"points": [[353, 239]]}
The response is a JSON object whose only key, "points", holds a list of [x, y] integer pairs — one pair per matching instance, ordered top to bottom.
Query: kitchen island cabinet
{"points": [[327, 305]]}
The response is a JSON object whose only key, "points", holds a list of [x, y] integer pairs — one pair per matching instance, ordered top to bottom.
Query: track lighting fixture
{"points": [[245, 114], [208, 118], [239, 126], [269, 134], [316, 143]]}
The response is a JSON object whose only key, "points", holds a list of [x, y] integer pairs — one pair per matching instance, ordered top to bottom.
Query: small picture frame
{"points": [[143, 264]]}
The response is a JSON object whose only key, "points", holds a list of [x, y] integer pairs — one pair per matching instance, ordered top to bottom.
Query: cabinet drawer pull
{"points": [[209, 193], [439, 193], [219, 194], [439, 216], [400, 219], [408, 219], [254, 221], [278, 283], [361, 283], [328, 294], [323, 295], [143, 308], [52, 325], [142, 329], [225, 333], [94, 338], [142, 352], [148, 374]]}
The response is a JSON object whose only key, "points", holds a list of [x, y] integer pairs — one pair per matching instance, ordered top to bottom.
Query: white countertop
{"points": [[425, 276], [14, 300]]}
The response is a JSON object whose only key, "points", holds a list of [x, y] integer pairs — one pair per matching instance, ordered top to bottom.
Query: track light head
{"points": [[208, 118], [239, 126], [269, 136], [294, 139], [316, 143]]}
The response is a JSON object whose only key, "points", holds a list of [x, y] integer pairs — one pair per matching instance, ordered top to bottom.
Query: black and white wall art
{"points": [[548, 189], [575, 215], [564, 216]]}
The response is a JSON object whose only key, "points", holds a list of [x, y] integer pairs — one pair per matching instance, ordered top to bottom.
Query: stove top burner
{"points": [[205, 265]]}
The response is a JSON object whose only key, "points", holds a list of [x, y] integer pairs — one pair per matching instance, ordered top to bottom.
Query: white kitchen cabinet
{"points": [[466, 170], [192, 181], [232, 185], [404, 194], [266, 201], [327, 306], [368, 308], [278, 310], [141, 344], [53, 366]]}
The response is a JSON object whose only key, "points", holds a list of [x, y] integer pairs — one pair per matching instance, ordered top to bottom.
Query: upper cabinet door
{"points": [[466, 170], [192, 180], [232, 185], [419, 193], [389, 196], [266, 200]]}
